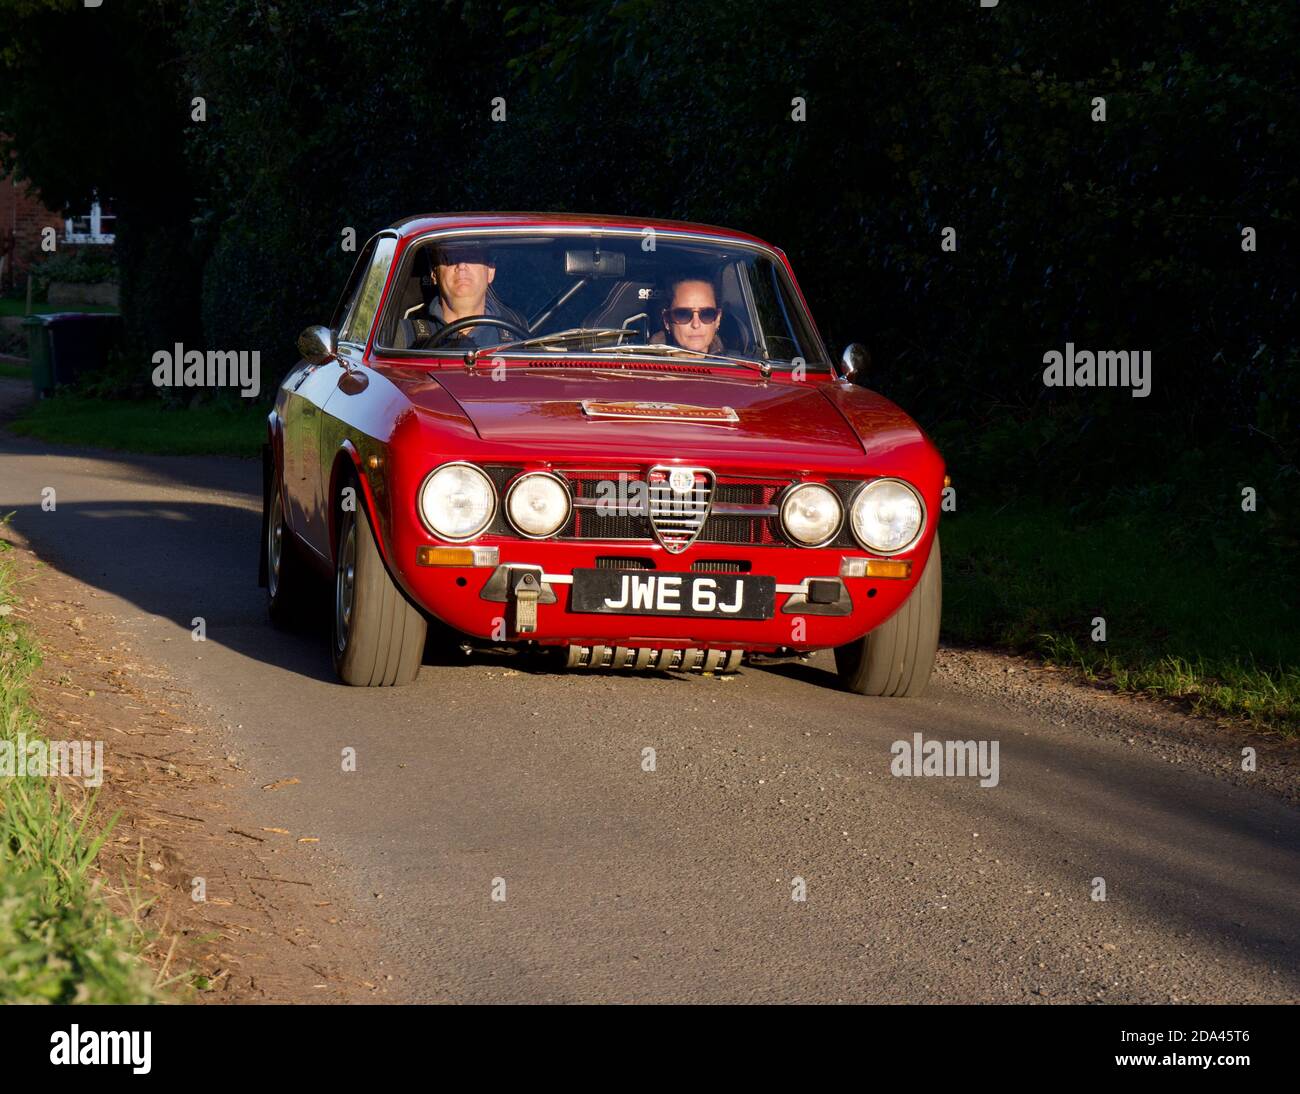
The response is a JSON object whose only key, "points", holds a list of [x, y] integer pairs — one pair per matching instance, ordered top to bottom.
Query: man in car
{"points": [[463, 275], [692, 317]]}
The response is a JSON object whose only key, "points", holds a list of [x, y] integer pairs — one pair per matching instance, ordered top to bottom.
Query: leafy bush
{"points": [[80, 267]]}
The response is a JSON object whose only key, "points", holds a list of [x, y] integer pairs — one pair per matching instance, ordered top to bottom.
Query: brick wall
{"points": [[23, 215]]}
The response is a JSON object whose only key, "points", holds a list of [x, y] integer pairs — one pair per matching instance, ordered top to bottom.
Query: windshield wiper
{"points": [[545, 339], [666, 350], [764, 368]]}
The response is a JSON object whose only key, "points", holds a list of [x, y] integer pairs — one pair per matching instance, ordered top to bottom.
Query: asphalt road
{"points": [[676, 884]]}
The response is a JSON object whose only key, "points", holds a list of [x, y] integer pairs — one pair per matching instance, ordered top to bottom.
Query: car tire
{"points": [[285, 571], [377, 636], [896, 658]]}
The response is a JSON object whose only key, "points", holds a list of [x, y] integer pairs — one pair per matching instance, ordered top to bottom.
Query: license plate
{"points": [[689, 596]]}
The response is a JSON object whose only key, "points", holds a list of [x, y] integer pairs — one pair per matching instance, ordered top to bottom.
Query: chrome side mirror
{"points": [[316, 345], [854, 361]]}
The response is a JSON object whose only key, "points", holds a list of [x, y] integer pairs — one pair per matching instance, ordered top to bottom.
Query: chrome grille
{"points": [[680, 498], [742, 510], [612, 562]]}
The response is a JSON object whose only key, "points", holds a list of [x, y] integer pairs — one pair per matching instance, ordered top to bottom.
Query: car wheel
{"points": [[286, 573], [378, 637], [896, 658]]}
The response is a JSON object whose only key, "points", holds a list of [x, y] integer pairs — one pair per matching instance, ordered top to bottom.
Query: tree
{"points": [[93, 99]]}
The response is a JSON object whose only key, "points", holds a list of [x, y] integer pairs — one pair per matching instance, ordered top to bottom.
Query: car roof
{"points": [[428, 222]]}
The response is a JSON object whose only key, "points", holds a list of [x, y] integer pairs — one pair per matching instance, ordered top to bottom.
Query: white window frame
{"points": [[96, 233]]}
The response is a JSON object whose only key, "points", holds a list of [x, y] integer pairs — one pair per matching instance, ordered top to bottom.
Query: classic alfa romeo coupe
{"points": [[621, 438]]}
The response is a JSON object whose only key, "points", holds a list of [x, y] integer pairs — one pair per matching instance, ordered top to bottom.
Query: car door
{"points": [[357, 315], [301, 406]]}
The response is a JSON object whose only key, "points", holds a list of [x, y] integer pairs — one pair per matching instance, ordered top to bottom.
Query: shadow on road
{"points": [[151, 544], [179, 561]]}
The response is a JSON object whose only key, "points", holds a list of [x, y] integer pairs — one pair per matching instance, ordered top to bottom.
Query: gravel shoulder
{"points": [[1165, 730]]}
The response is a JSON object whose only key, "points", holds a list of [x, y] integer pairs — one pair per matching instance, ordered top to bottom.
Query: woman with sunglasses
{"points": [[692, 317]]}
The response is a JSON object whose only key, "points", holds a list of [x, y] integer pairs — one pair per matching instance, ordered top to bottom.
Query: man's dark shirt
{"points": [[482, 335]]}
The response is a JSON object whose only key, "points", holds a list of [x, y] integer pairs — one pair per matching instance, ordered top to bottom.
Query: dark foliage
{"points": [[93, 98], [1116, 234]]}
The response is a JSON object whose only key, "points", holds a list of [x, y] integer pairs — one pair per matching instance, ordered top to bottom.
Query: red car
{"points": [[621, 438]]}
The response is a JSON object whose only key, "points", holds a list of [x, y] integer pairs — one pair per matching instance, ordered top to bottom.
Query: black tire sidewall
{"points": [[283, 598], [386, 632], [856, 663]]}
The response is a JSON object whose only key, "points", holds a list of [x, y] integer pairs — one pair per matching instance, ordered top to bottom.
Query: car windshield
{"points": [[636, 293]]}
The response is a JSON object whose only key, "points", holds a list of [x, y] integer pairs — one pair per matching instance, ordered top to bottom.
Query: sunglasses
{"points": [[682, 316]]}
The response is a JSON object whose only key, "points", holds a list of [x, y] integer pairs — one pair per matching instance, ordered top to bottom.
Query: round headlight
{"points": [[457, 501], [537, 504], [811, 514], [887, 516]]}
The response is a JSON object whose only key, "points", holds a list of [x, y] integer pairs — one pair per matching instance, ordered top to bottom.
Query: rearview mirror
{"points": [[595, 263], [316, 345], [855, 361]]}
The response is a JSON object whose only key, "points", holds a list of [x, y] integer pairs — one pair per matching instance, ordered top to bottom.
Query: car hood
{"points": [[543, 410]]}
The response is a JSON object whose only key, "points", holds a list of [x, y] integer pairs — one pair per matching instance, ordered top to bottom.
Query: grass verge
{"points": [[17, 305], [12, 371], [150, 427], [1189, 622], [59, 943]]}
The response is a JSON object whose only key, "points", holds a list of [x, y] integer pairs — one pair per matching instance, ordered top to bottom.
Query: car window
{"points": [[353, 287], [610, 290], [361, 309], [782, 320]]}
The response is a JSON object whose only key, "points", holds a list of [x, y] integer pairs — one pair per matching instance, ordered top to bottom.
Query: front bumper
{"points": [[523, 594]]}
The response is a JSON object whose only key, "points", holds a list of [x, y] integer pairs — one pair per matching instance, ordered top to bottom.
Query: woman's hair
{"points": [[710, 279]]}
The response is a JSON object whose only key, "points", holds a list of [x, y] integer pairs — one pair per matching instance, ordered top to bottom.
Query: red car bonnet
{"points": [[544, 407]]}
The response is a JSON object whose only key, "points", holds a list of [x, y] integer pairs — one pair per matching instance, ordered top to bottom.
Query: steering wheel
{"points": [[468, 321]]}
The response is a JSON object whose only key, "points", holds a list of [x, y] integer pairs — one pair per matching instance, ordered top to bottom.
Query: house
{"points": [[23, 218]]}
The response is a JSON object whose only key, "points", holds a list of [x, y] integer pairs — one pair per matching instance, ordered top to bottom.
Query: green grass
{"points": [[17, 305], [12, 371], [216, 430], [1188, 620], [59, 943]]}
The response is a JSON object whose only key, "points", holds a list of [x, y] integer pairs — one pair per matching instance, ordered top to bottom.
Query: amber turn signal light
{"points": [[457, 556], [875, 567], [889, 567]]}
